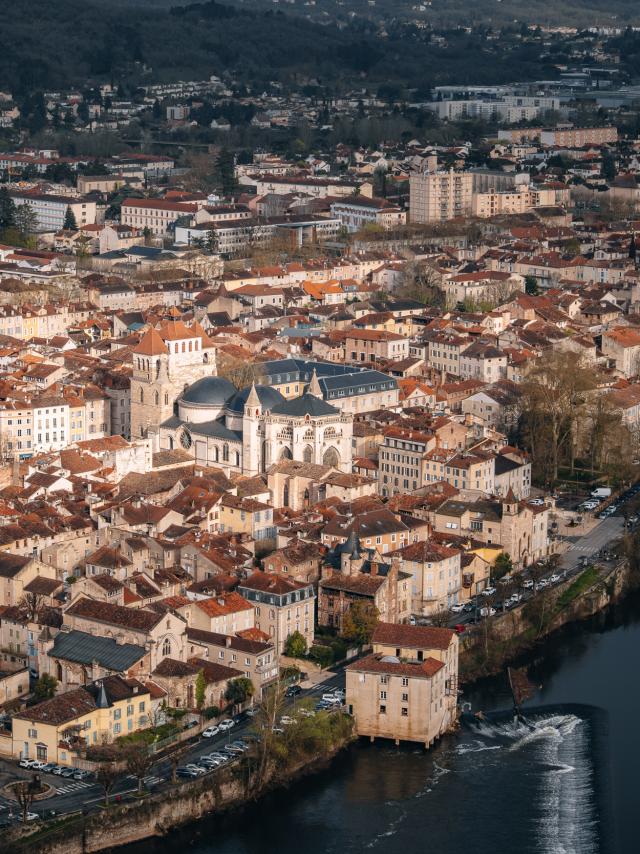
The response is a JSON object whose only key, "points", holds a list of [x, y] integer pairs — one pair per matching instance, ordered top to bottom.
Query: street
{"points": [[73, 795]]}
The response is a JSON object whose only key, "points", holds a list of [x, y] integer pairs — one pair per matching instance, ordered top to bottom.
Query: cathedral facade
{"points": [[178, 400]]}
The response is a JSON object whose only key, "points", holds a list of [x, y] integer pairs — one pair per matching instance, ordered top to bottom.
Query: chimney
{"points": [[228, 641]]}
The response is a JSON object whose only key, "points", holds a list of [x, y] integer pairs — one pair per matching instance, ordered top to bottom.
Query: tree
{"points": [[225, 171], [7, 209], [26, 219], [70, 223], [212, 242], [422, 283], [531, 286], [240, 374], [553, 403], [502, 565], [31, 603], [441, 617], [360, 622], [295, 645], [45, 687], [201, 687], [239, 691], [139, 761], [107, 776], [25, 793]]}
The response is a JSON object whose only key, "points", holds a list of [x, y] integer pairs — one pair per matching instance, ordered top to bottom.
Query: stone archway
{"points": [[285, 454], [307, 454]]}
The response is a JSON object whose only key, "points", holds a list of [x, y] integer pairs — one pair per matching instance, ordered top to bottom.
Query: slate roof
{"points": [[306, 404], [84, 648]]}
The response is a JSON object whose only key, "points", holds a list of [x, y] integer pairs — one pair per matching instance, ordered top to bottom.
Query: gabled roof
{"points": [[85, 648]]}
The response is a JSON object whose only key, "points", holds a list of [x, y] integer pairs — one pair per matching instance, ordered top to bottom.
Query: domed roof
{"points": [[209, 391], [268, 397]]}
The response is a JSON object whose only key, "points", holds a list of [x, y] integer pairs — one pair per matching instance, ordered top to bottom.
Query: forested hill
{"points": [[580, 13], [45, 45]]}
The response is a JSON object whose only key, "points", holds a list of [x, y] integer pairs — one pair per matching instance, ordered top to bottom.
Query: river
{"points": [[563, 782]]}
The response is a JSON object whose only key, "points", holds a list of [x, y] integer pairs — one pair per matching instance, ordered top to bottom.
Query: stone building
{"points": [[166, 361], [406, 690]]}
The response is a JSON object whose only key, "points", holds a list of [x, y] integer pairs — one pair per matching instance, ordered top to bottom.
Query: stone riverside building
{"points": [[406, 690]]}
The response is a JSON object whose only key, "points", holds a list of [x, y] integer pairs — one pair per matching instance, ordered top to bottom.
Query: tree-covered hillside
{"points": [[50, 46]]}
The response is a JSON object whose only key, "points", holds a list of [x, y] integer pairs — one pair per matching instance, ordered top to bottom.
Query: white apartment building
{"points": [[439, 196], [51, 210], [357, 211]]}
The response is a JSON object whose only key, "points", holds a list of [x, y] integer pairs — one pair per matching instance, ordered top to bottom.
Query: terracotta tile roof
{"points": [[151, 344], [226, 603], [106, 612], [418, 637], [382, 664]]}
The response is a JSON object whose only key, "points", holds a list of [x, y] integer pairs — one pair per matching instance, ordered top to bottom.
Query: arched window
{"points": [[205, 358], [157, 368], [141, 395], [156, 398], [166, 398], [225, 453], [216, 454], [285, 454], [307, 454], [238, 458], [331, 458], [166, 647], [59, 666]]}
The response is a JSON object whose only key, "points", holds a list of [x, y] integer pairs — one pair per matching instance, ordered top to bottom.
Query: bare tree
{"points": [[240, 374], [31, 603], [441, 617], [139, 762], [107, 776], [24, 793]]}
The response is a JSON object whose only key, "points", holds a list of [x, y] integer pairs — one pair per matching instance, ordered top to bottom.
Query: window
{"points": [[166, 647], [405, 681], [383, 695], [405, 698], [129, 710], [383, 710], [404, 711], [117, 714], [117, 728], [33, 733]]}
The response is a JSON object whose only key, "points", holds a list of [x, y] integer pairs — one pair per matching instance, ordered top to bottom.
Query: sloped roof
{"points": [[84, 648]]}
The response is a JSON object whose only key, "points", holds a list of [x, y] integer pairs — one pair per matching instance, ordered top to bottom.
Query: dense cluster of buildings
{"points": [[204, 453]]}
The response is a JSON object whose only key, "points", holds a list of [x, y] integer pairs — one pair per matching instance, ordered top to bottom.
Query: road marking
{"points": [[73, 787]]}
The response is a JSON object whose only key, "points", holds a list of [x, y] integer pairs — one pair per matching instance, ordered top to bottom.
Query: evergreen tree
{"points": [[225, 169], [7, 210], [26, 219], [70, 223], [212, 243]]}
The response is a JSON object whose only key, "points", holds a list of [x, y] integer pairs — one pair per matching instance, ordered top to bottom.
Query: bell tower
{"points": [[151, 387]]}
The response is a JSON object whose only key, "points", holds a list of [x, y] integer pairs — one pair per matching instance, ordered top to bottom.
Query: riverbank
{"points": [[499, 641], [155, 815]]}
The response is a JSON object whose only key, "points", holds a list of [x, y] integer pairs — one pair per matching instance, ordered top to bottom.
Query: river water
{"points": [[565, 781]]}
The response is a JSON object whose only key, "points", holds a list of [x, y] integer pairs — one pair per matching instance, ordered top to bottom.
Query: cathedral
{"points": [[177, 399]]}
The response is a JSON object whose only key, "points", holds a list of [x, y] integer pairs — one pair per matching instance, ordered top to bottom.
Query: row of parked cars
{"points": [[210, 761], [52, 768]]}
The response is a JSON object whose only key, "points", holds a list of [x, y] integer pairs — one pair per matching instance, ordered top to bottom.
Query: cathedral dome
{"points": [[209, 391], [268, 397]]}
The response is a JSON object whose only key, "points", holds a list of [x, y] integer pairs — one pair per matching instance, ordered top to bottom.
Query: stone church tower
{"points": [[165, 361]]}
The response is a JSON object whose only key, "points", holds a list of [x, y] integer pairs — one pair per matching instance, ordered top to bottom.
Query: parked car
{"points": [[537, 502], [555, 578], [544, 582], [527, 583], [488, 591], [457, 608], [487, 612], [460, 628], [293, 691], [307, 713], [286, 720], [223, 726], [277, 730], [210, 731], [26, 763], [194, 767], [48, 768], [58, 770], [67, 772], [187, 772], [81, 775], [31, 816]]}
